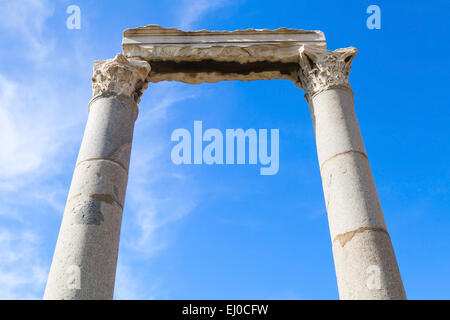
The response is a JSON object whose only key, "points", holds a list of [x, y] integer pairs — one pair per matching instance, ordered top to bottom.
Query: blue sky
{"points": [[225, 232]]}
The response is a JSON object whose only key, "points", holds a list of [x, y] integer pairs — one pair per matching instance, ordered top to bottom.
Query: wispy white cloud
{"points": [[193, 10], [25, 21], [158, 112], [41, 123], [32, 129], [40, 129], [37, 138], [158, 195], [155, 208], [22, 274], [129, 285]]}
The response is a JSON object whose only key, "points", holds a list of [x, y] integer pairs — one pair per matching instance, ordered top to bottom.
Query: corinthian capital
{"points": [[321, 69], [120, 76]]}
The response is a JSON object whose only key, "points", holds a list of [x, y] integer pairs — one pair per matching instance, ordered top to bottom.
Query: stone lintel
{"points": [[212, 56]]}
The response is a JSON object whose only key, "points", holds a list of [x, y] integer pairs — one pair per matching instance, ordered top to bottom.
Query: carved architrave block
{"points": [[211, 56]]}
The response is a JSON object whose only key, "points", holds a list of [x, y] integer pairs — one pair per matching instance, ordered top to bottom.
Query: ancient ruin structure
{"points": [[85, 258]]}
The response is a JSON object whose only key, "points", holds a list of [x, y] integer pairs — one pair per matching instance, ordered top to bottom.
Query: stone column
{"points": [[85, 258], [366, 267]]}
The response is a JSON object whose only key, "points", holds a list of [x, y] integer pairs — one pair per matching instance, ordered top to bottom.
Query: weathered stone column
{"points": [[85, 258], [364, 259]]}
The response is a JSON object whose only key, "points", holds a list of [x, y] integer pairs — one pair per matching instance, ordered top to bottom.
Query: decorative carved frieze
{"points": [[211, 56], [120, 76]]}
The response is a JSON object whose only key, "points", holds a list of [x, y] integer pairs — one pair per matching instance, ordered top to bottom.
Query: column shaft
{"points": [[90, 230], [85, 258], [364, 259], [366, 267]]}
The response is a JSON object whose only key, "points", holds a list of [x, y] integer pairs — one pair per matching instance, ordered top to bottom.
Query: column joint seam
{"points": [[122, 97], [343, 153], [104, 159], [97, 196], [348, 236]]}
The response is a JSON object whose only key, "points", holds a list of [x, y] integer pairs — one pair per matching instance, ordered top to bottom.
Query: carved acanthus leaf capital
{"points": [[322, 69], [120, 76]]}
